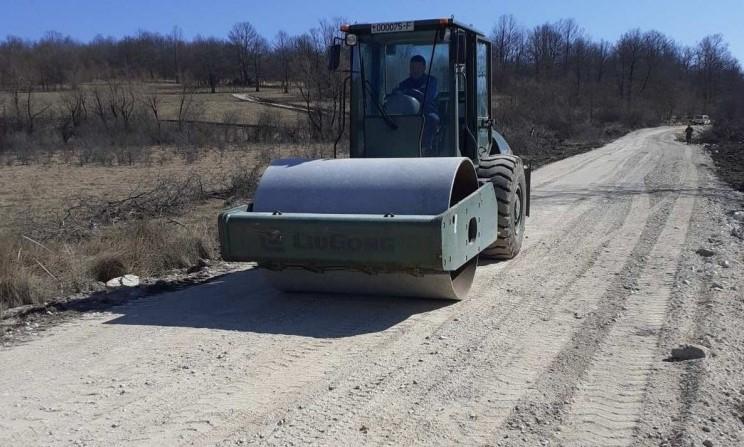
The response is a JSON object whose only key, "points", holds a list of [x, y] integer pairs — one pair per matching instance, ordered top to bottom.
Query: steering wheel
{"points": [[414, 93], [403, 102]]}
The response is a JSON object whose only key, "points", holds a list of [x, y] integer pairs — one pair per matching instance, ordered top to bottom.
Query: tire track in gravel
{"points": [[582, 161], [553, 218], [690, 317], [550, 337], [277, 353], [442, 361], [107, 365], [377, 367], [282, 374], [283, 380], [192, 384], [496, 386], [362, 395], [610, 398], [160, 400], [270, 407], [539, 412], [214, 435]]}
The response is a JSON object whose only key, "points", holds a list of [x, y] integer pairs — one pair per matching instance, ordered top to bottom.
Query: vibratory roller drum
{"points": [[398, 189]]}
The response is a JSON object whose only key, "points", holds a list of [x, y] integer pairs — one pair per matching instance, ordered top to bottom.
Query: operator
{"points": [[416, 84], [423, 87], [688, 134]]}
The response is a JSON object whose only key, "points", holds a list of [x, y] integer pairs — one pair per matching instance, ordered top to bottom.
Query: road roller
{"points": [[429, 185]]}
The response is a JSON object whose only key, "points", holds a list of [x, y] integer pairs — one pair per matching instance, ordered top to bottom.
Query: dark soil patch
{"points": [[729, 159]]}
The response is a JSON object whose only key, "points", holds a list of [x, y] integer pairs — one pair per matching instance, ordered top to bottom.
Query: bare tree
{"points": [[569, 31], [242, 36], [506, 37], [176, 40], [544, 47], [655, 47], [258, 50], [282, 50], [628, 50], [600, 55], [712, 58], [53, 59], [207, 61], [580, 61], [319, 87], [153, 101], [121, 102], [99, 106], [187, 106], [26, 111], [73, 112]]}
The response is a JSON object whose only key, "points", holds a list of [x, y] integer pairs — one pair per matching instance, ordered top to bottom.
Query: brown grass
{"points": [[210, 106], [42, 191], [76, 215], [163, 232], [149, 248], [31, 273]]}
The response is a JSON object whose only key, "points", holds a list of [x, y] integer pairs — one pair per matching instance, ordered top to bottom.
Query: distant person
{"points": [[423, 87], [688, 134]]}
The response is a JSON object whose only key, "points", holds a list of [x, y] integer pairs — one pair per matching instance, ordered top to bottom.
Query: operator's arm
{"points": [[402, 86]]}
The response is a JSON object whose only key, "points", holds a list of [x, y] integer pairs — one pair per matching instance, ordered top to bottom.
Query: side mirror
{"points": [[461, 48], [334, 56]]}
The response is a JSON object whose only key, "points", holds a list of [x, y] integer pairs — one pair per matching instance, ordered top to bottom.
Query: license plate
{"points": [[392, 27]]}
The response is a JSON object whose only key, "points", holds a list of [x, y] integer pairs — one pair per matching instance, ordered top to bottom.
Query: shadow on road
{"points": [[243, 301]]}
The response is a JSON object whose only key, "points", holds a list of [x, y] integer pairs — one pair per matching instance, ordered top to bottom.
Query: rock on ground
{"points": [[124, 281]]}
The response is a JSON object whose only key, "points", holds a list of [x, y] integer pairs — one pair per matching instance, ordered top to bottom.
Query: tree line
{"points": [[242, 58], [561, 77], [552, 78]]}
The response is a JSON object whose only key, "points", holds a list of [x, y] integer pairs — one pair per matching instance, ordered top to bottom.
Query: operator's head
{"points": [[418, 66]]}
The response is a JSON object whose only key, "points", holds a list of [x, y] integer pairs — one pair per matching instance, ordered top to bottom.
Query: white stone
{"points": [[125, 281]]}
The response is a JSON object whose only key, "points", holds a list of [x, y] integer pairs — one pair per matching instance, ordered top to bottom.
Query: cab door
{"points": [[483, 95]]}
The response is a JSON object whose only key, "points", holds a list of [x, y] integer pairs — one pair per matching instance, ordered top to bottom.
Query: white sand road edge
{"points": [[564, 345]]}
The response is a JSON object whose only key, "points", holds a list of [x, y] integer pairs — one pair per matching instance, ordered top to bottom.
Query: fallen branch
{"points": [[37, 243], [45, 269]]}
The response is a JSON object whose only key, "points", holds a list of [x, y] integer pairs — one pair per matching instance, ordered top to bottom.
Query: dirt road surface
{"points": [[568, 344]]}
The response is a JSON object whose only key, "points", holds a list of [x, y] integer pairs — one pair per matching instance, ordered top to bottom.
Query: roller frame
{"points": [[414, 244]]}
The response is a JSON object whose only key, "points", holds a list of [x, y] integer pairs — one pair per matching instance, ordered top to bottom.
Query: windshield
{"points": [[396, 64], [400, 85]]}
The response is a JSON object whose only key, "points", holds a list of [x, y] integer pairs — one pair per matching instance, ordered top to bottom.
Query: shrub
{"points": [[107, 267]]}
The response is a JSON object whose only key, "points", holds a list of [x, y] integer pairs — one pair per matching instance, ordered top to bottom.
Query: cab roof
{"points": [[418, 25]]}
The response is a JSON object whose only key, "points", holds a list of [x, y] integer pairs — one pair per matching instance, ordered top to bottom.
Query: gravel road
{"points": [[568, 344]]}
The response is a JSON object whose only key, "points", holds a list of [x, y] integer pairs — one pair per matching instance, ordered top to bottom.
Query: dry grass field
{"points": [[219, 107], [223, 107], [45, 188], [67, 225], [66, 228]]}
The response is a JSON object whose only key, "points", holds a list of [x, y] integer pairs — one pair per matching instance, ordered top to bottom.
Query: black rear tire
{"points": [[506, 173]]}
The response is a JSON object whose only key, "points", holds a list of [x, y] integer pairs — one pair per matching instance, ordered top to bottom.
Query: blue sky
{"points": [[684, 20]]}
